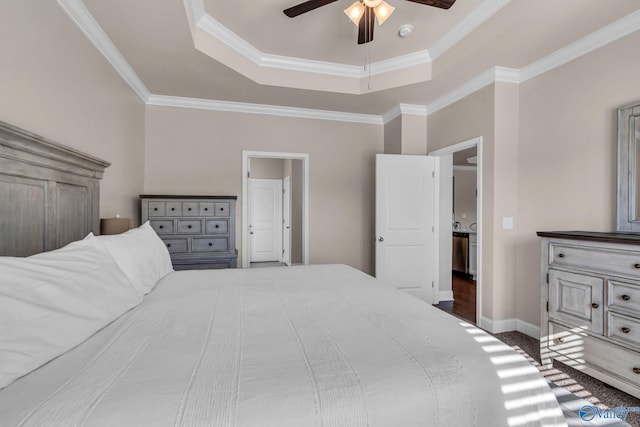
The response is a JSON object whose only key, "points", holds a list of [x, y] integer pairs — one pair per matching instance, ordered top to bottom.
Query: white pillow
{"points": [[141, 254], [53, 301]]}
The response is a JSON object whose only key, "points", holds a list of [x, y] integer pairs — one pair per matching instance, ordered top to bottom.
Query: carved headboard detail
{"points": [[49, 193]]}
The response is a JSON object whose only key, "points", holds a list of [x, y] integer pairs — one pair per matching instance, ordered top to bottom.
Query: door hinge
{"points": [[248, 174], [433, 174], [433, 229], [283, 252], [547, 278], [432, 285], [547, 306]]}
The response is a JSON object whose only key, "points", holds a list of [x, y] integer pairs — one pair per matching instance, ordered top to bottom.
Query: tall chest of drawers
{"points": [[199, 231], [591, 305]]}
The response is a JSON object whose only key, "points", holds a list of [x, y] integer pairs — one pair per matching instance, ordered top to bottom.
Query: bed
{"points": [[317, 345]]}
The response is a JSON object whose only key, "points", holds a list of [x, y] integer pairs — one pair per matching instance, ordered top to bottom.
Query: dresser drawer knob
{"points": [[155, 209], [173, 209], [189, 209], [206, 209], [221, 209], [217, 225], [189, 226], [161, 227], [210, 244], [168, 245], [636, 265], [626, 297], [595, 305], [625, 330], [636, 370]]}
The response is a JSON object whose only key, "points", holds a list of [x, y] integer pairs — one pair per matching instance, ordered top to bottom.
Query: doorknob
{"points": [[251, 232], [380, 239]]}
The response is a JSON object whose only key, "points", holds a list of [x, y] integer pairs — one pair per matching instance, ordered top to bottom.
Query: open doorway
{"points": [[465, 199], [274, 209]]}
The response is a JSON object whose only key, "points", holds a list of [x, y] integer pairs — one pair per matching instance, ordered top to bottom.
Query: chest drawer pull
{"points": [[155, 209], [189, 209], [217, 225], [189, 226], [161, 227], [210, 244], [168, 245], [560, 255], [636, 265], [625, 297], [595, 305], [625, 329], [636, 370]]}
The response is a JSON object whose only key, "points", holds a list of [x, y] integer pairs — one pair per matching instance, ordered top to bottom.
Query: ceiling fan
{"points": [[362, 12]]}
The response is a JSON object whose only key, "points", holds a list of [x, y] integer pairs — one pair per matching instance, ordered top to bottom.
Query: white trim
{"points": [[79, 14], [469, 23], [585, 45], [491, 76], [402, 109], [271, 110], [478, 143], [246, 155], [445, 296], [509, 325]]}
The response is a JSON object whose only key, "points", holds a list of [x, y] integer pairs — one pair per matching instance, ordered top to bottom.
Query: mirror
{"points": [[628, 218]]}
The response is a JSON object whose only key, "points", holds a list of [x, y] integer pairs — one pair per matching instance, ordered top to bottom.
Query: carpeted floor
{"points": [[583, 386]]}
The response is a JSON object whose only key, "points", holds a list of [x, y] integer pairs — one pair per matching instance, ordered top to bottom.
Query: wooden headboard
{"points": [[49, 193]]}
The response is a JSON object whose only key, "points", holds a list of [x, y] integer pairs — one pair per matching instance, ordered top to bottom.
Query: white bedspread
{"points": [[298, 346]]}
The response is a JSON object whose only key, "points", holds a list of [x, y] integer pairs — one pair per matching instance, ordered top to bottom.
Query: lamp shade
{"points": [[355, 12], [114, 225]]}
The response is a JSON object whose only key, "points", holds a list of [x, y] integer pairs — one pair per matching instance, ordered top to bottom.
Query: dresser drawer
{"points": [[207, 208], [156, 209], [173, 209], [190, 209], [222, 209], [162, 226], [189, 226], [216, 226], [209, 244], [177, 245], [609, 261], [624, 297], [624, 329], [577, 349]]}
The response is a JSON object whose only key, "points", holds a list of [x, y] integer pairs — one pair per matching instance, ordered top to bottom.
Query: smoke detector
{"points": [[405, 30]]}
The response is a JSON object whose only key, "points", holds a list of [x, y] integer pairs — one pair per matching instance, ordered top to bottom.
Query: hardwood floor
{"points": [[464, 295]]}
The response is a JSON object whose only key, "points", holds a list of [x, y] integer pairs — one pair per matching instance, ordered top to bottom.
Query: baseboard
{"points": [[445, 296], [508, 325]]}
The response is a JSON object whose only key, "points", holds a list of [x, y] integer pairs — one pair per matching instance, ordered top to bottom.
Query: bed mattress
{"points": [[299, 346]]}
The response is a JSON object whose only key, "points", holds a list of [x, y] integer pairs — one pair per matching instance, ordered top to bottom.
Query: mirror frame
{"points": [[628, 174]]}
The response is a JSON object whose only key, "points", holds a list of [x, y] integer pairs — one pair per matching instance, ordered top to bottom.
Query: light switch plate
{"points": [[507, 223]]}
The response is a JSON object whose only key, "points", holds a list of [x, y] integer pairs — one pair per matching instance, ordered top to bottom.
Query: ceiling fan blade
{"points": [[442, 4], [305, 7], [365, 26]]}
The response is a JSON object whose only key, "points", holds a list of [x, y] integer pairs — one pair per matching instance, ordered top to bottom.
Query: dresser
{"points": [[199, 231], [591, 305]]}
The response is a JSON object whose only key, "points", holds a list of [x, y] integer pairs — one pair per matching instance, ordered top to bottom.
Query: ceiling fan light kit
{"points": [[362, 12]]}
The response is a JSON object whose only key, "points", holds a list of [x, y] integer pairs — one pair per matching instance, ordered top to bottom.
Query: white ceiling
{"points": [[215, 49]]}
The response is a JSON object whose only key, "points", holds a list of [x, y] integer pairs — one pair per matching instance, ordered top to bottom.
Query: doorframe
{"points": [[470, 143], [246, 157]]}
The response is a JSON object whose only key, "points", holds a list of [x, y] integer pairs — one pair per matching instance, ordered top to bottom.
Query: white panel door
{"points": [[406, 207], [265, 220], [286, 220]]}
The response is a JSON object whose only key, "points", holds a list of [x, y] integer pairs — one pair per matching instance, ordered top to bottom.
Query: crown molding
{"points": [[79, 14], [469, 23], [612, 32], [491, 76], [404, 109], [270, 110]]}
